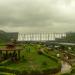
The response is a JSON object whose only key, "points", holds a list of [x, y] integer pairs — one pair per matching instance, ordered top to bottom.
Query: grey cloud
{"points": [[34, 15]]}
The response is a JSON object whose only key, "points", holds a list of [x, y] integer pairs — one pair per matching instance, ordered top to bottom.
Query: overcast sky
{"points": [[37, 15]]}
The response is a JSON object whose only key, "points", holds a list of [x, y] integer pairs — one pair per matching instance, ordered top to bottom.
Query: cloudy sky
{"points": [[37, 15]]}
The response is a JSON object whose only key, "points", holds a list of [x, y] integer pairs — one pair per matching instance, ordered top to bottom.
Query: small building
{"points": [[10, 50]]}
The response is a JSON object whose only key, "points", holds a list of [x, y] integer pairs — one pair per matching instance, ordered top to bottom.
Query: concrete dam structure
{"points": [[40, 36]]}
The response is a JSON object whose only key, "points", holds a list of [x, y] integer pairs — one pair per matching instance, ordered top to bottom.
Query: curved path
{"points": [[65, 67]]}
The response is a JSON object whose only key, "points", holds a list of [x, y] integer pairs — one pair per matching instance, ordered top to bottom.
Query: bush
{"points": [[39, 52], [44, 63], [73, 71], [36, 72]]}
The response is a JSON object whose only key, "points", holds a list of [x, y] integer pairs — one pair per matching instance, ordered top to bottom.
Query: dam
{"points": [[39, 36]]}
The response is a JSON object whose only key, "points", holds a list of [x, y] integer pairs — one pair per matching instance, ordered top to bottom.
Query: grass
{"points": [[31, 60], [4, 73]]}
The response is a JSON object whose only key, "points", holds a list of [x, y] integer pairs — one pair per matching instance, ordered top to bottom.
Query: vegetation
{"points": [[36, 59], [30, 62]]}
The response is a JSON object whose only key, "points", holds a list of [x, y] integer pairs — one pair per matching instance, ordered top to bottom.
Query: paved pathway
{"points": [[66, 67]]}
